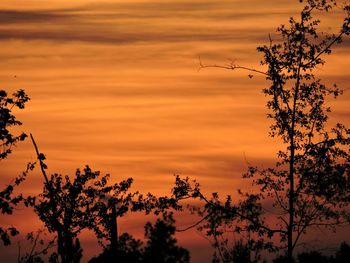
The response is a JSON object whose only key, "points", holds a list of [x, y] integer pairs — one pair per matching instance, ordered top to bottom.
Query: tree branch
{"points": [[230, 66]]}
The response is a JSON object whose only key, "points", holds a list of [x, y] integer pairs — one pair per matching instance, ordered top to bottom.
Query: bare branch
{"points": [[330, 44], [230, 66], [42, 165], [194, 225]]}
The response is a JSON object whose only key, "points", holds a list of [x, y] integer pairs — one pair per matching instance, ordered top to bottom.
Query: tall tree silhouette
{"points": [[310, 184]]}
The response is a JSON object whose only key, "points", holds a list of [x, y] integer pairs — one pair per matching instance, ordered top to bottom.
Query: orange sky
{"points": [[115, 84]]}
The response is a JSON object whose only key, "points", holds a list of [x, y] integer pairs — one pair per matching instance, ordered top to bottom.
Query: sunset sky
{"points": [[115, 84]]}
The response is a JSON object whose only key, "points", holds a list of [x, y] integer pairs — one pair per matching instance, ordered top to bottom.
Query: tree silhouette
{"points": [[8, 120], [309, 186], [8, 200], [110, 203], [114, 203], [65, 208], [160, 247], [128, 250], [343, 254], [313, 256]]}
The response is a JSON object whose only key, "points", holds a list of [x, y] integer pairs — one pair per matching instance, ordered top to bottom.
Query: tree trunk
{"points": [[291, 206], [114, 233]]}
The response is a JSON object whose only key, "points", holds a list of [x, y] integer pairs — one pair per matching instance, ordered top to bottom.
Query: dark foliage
{"points": [[8, 120], [8, 200], [86, 201], [67, 206], [160, 247], [129, 250], [343, 254], [313, 256]]}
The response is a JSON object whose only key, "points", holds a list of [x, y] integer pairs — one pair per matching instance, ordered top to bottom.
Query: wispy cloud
{"points": [[18, 16], [124, 23], [103, 35]]}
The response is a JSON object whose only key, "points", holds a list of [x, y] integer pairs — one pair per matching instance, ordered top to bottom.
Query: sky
{"points": [[116, 85]]}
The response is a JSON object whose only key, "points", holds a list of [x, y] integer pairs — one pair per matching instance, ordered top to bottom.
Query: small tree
{"points": [[310, 184], [113, 202], [110, 203], [69, 206], [66, 209], [161, 246], [129, 250], [343, 254]]}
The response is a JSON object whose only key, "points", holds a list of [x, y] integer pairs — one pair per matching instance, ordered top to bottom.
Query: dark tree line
{"points": [[85, 201], [342, 255]]}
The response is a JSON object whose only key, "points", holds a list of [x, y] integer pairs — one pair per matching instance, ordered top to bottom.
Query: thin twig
{"points": [[230, 66], [42, 165], [193, 225]]}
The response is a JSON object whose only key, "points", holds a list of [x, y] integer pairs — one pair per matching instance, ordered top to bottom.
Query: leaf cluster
{"points": [[8, 120]]}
